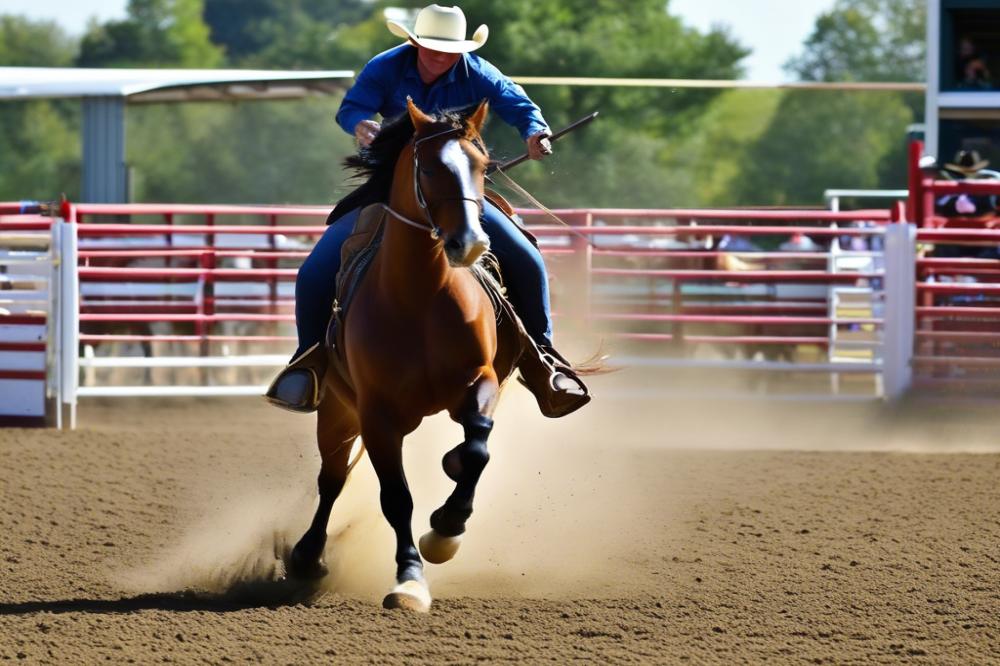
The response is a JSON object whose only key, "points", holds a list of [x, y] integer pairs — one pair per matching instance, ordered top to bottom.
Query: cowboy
{"points": [[437, 69], [967, 166]]}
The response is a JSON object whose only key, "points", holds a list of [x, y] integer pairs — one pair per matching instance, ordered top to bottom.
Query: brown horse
{"points": [[420, 337]]}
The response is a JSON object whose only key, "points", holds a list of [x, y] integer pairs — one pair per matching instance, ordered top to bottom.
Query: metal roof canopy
{"points": [[105, 92]]}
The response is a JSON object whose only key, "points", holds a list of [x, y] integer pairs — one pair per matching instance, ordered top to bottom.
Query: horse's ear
{"points": [[478, 117], [419, 118]]}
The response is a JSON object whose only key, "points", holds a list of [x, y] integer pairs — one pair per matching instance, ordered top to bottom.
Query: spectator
{"points": [[972, 71], [967, 165], [799, 243]]}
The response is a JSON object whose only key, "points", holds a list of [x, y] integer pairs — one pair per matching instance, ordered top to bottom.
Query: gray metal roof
{"points": [[166, 85]]}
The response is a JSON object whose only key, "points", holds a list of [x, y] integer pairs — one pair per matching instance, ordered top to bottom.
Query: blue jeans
{"points": [[521, 262]]}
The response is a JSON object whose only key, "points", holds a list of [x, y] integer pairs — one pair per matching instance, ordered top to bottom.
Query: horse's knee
{"points": [[477, 427], [475, 454]]}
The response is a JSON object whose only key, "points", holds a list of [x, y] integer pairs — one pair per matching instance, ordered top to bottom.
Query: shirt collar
{"points": [[449, 77]]}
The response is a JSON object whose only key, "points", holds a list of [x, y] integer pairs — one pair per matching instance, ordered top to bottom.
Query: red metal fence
{"points": [[174, 289]]}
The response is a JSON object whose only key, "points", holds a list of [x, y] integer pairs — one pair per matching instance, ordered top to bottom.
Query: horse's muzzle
{"points": [[465, 249]]}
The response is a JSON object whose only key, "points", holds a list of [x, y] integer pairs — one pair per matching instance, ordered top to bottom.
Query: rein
{"points": [[429, 225]]}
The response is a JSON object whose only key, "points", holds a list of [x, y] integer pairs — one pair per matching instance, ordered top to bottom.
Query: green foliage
{"points": [[156, 33], [316, 34], [866, 40], [26, 43], [821, 140], [39, 144], [650, 147], [39, 150], [279, 152], [713, 161]]}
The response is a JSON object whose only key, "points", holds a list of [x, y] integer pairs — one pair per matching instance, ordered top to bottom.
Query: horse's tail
{"points": [[595, 364]]}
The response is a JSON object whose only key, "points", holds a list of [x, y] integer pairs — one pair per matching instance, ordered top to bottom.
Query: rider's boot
{"points": [[551, 378], [298, 388]]}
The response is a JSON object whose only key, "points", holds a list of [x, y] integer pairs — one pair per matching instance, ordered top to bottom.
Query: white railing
{"points": [[833, 197]]}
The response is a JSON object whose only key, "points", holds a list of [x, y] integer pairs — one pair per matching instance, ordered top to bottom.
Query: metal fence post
{"points": [[900, 309], [69, 316], [55, 327]]}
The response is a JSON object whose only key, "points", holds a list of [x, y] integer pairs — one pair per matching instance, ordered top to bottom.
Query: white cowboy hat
{"points": [[441, 29]]}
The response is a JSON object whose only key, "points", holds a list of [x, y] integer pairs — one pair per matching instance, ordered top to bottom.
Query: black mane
{"points": [[377, 162]]}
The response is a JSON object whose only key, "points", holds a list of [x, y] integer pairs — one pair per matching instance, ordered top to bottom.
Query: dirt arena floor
{"points": [[636, 532]]}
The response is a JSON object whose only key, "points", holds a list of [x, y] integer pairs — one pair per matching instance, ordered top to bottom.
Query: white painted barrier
{"points": [[26, 260], [900, 308], [68, 327]]}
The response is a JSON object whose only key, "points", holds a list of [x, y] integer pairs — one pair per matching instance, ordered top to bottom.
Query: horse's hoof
{"points": [[438, 549], [306, 568], [412, 596]]}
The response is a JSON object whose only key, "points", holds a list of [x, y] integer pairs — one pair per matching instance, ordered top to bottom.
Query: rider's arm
{"points": [[365, 98], [507, 99]]}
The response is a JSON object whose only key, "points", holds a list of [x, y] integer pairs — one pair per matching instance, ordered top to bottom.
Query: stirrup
{"points": [[551, 379], [298, 388]]}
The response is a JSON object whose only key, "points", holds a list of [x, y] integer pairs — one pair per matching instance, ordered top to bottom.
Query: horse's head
{"points": [[449, 168]]}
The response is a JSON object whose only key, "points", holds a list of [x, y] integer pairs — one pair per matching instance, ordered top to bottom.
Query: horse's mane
{"points": [[377, 162]]}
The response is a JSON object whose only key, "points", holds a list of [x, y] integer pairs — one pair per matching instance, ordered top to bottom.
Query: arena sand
{"points": [[637, 531]]}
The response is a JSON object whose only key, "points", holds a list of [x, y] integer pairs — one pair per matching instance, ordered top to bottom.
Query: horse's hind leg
{"points": [[336, 431], [464, 464]]}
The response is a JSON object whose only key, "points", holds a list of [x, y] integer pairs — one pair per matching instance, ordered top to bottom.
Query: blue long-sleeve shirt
{"points": [[385, 82]]}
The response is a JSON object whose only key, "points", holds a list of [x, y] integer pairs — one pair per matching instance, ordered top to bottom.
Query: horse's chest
{"points": [[430, 357]]}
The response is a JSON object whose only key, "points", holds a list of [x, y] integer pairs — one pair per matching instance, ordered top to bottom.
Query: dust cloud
{"points": [[559, 511]]}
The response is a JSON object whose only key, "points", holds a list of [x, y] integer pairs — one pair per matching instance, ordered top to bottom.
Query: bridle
{"points": [[418, 191]]}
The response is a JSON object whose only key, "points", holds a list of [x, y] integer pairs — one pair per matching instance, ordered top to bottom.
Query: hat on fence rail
{"points": [[441, 29], [967, 162]]}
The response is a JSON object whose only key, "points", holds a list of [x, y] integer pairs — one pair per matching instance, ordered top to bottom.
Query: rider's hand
{"points": [[365, 132], [539, 145], [965, 205]]}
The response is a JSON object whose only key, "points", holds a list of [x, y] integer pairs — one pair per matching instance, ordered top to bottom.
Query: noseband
{"points": [[418, 191]]}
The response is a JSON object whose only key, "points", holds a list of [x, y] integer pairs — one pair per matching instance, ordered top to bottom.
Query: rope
{"points": [[542, 207]]}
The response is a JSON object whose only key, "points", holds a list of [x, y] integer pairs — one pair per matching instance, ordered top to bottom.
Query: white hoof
{"points": [[438, 549], [411, 595]]}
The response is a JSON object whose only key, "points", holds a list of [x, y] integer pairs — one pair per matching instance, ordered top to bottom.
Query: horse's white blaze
{"points": [[455, 159], [438, 549], [411, 595]]}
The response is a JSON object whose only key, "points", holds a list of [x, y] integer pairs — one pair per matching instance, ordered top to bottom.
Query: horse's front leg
{"points": [[384, 442], [464, 464]]}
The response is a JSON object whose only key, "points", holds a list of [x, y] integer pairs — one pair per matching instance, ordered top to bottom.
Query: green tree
{"points": [[156, 33], [291, 33], [866, 40], [26, 43], [819, 140], [39, 145], [275, 152]]}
